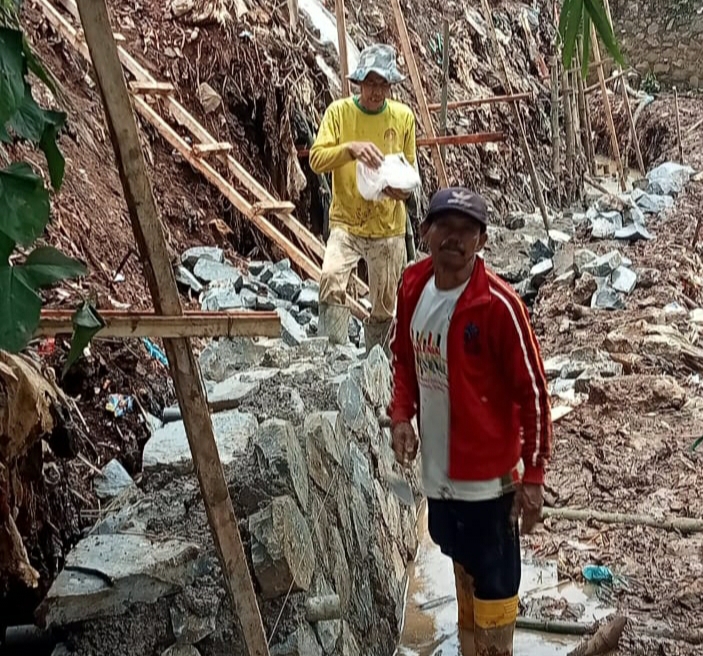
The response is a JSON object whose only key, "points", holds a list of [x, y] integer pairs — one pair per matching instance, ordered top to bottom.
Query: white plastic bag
{"points": [[395, 172]]}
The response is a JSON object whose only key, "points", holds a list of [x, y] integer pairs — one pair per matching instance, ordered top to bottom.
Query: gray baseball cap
{"points": [[380, 59]]}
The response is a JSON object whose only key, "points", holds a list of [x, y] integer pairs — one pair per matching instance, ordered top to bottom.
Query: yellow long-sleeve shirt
{"points": [[393, 130]]}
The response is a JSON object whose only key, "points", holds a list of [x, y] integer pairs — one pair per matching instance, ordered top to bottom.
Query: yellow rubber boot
{"points": [[465, 604], [494, 626]]}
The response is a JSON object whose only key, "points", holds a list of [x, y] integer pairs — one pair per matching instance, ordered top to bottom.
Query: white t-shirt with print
{"points": [[429, 328]]}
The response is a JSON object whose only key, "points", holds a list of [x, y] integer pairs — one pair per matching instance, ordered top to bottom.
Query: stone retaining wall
{"points": [[664, 37]]}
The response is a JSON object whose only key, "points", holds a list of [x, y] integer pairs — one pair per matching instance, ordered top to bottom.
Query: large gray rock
{"points": [[668, 179], [652, 203], [634, 232], [191, 257], [583, 257], [604, 265], [269, 270], [208, 271], [539, 273], [186, 278], [623, 280], [286, 283], [309, 296], [220, 297], [606, 298], [292, 332], [224, 358], [376, 378], [231, 392], [357, 417], [168, 449], [322, 449], [280, 459], [356, 465], [113, 481], [280, 549], [106, 574], [189, 628], [328, 631], [302, 642], [181, 650]]}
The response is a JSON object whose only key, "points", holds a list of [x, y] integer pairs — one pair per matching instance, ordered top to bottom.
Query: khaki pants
{"points": [[385, 259]]}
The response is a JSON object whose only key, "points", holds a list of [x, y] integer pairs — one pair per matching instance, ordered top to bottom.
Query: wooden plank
{"points": [[342, 43], [152, 88], [475, 102], [425, 118], [449, 140], [218, 148], [306, 264], [213, 324], [184, 368]]}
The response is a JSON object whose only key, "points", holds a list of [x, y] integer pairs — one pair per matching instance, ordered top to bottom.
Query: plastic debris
{"points": [[154, 351], [119, 404], [597, 574]]}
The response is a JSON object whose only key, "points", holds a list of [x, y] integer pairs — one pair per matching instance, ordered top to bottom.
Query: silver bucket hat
{"points": [[380, 59]]}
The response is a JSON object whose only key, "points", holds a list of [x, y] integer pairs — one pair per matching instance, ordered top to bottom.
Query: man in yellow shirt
{"points": [[364, 128]]}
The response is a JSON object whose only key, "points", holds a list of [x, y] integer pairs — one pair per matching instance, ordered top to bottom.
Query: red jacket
{"points": [[499, 403]]}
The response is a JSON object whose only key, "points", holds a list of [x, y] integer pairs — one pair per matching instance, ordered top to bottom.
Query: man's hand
{"points": [[366, 152], [396, 194], [405, 443], [528, 505]]}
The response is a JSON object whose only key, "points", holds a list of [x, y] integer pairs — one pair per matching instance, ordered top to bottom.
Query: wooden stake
{"points": [[293, 14], [342, 42], [445, 86], [151, 88], [475, 102], [628, 108], [607, 110], [425, 118], [568, 123], [678, 125], [556, 135], [200, 150], [536, 188], [162, 284], [148, 324], [679, 524]]}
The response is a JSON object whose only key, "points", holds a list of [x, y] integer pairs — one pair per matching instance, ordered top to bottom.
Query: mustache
{"points": [[451, 245]]}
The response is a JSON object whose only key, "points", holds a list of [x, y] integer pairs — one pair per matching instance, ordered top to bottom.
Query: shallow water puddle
{"points": [[430, 616]]}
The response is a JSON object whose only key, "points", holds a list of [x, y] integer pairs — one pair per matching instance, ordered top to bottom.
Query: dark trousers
{"points": [[479, 536]]}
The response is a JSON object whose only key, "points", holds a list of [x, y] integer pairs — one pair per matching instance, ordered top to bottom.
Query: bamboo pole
{"points": [[342, 42], [445, 86], [475, 102], [628, 108], [607, 110], [425, 118], [568, 123], [678, 125], [586, 132], [449, 140], [536, 188], [148, 324], [183, 365], [679, 524]]}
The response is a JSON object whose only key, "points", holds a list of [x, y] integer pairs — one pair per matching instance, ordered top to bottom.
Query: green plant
{"points": [[575, 19], [24, 199]]}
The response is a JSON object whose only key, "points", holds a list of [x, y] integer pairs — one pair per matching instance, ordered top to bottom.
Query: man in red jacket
{"points": [[466, 362]]}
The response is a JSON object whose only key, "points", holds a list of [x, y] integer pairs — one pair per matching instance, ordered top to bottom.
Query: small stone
{"points": [[668, 179], [652, 203], [634, 215], [515, 221], [602, 229], [633, 232], [559, 237], [540, 250], [192, 255], [582, 257], [604, 265], [257, 268], [271, 269], [209, 271], [540, 272], [186, 278], [648, 278], [623, 280], [286, 284], [584, 288], [526, 291], [309, 296], [221, 297], [607, 298], [249, 299], [265, 304], [696, 316], [304, 317], [313, 327], [355, 329], [292, 332], [314, 347], [223, 358], [553, 366], [376, 378], [563, 386], [231, 392], [355, 413], [278, 453], [357, 467], [113, 481], [280, 553], [189, 628], [302, 642], [181, 650]]}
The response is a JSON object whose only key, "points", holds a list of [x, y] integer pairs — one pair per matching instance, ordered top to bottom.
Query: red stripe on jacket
{"points": [[499, 402]]}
